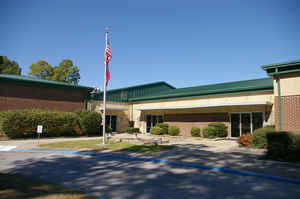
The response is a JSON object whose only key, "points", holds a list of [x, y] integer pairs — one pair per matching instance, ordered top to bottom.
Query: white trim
{"points": [[206, 105], [251, 123], [240, 124]]}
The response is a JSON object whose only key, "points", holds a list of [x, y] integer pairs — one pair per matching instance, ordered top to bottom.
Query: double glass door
{"points": [[111, 121], [242, 123]]}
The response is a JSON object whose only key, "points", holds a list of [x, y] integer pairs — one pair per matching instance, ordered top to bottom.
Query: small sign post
{"points": [[39, 131]]}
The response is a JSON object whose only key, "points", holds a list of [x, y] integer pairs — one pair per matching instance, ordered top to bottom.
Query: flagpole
{"points": [[104, 94]]}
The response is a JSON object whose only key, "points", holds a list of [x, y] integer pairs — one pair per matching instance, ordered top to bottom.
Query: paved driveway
{"points": [[117, 178]]}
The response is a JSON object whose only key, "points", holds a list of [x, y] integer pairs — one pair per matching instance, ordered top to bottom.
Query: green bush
{"points": [[90, 122], [23, 123], [164, 126], [108, 129], [132, 130], [156, 130], [173, 130], [214, 130], [195, 132], [209, 132], [260, 138], [283, 146]]}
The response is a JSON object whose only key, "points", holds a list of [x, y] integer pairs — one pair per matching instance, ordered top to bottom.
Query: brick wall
{"points": [[19, 96], [290, 107], [186, 121]]}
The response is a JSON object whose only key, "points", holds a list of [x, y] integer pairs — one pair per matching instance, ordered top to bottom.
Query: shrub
{"points": [[90, 122], [23, 123], [164, 126], [220, 129], [108, 130], [132, 130], [156, 130], [173, 130], [214, 130], [195, 132], [209, 132], [259, 136], [245, 140], [283, 146]]}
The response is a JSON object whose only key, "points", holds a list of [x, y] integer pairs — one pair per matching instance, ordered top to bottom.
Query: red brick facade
{"points": [[24, 96], [290, 110], [186, 121]]}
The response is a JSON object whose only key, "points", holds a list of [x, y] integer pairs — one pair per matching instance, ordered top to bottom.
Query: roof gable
{"points": [[126, 93]]}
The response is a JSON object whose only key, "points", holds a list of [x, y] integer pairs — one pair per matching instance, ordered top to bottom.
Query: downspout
{"points": [[279, 103]]}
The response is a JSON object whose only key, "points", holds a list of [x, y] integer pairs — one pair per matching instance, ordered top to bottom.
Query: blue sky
{"points": [[185, 43]]}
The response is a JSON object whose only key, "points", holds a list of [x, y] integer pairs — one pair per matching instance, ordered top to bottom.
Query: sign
{"points": [[39, 129]]}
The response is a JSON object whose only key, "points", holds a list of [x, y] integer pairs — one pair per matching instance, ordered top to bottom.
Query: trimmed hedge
{"points": [[90, 122], [23, 123], [164, 126], [132, 130], [156, 130], [173, 130], [214, 130], [195, 132], [260, 138], [283, 146]]}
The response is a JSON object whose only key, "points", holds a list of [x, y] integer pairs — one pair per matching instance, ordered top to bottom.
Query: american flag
{"points": [[107, 58]]}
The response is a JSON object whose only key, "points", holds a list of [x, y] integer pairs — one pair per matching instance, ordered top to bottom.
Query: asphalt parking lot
{"points": [[121, 178]]}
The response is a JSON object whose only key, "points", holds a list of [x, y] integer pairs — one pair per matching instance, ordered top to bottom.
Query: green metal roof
{"points": [[282, 68], [41, 82], [255, 85], [124, 94]]}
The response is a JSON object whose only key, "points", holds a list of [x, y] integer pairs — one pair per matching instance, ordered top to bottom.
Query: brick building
{"points": [[20, 92], [243, 105]]}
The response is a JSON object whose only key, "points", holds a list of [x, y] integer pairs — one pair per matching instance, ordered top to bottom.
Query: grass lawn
{"points": [[122, 146], [20, 187]]}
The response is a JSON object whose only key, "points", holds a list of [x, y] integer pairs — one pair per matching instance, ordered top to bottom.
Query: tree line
{"points": [[66, 71]]}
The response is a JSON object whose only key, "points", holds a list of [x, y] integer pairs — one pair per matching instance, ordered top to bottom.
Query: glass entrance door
{"points": [[152, 120], [111, 121], [242, 123], [246, 123], [235, 125]]}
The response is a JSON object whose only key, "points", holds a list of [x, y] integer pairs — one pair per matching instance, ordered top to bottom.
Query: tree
{"points": [[9, 67], [41, 69], [66, 72]]}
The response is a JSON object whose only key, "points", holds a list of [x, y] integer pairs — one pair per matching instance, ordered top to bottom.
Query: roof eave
{"points": [[263, 89]]}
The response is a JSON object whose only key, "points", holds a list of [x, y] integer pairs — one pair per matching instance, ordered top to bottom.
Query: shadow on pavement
{"points": [[119, 178]]}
